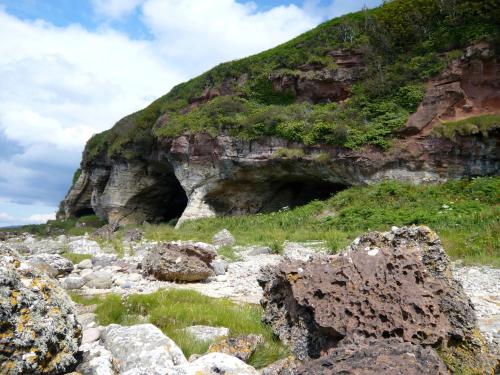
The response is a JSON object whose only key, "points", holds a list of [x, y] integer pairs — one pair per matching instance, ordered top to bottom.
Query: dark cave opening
{"points": [[294, 193], [256, 196], [164, 201], [84, 211]]}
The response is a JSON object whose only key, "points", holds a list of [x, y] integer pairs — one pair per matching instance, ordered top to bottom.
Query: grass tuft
{"points": [[174, 310]]}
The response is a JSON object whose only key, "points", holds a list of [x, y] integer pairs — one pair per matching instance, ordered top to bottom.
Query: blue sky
{"points": [[72, 68]]}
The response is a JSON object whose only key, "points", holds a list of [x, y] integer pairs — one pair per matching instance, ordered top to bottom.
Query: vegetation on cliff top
{"points": [[402, 43]]}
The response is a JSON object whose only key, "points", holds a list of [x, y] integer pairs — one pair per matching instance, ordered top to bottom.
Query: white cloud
{"points": [[115, 8], [198, 34], [62, 84], [5, 217], [40, 218]]}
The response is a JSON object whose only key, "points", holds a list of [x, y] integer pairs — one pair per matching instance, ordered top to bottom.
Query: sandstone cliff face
{"points": [[201, 175]]}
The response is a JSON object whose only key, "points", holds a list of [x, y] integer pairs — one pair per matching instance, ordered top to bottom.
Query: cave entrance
{"points": [[294, 193], [254, 196], [163, 201], [84, 211]]}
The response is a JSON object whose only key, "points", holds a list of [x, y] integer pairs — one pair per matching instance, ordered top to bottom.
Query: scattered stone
{"points": [[107, 231], [133, 235], [223, 238], [43, 246], [84, 246], [259, 250], [297, 251], [103, 260], [186, 262], [85, 264], [53, 265], [219, 266], [86, 272], [99, 280], [73, 282], [393, 284], [86, 319], [39, 330], [207, 333], [90, 335], [142, 347], [241, 347], [383, 356], [97, 360], [218, 363], [285, 366]]}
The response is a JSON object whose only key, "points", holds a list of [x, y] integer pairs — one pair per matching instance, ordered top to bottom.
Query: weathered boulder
{"points": [[107, 231], [133, 235], [223, 238], [179, 261], [52, 264], [219, 266], [99, 280], [73, 282], [392, 284], [39, 333], [207, 333], [142, 347], [241, 347], [382, 356], [97, 360], [215, 364]]}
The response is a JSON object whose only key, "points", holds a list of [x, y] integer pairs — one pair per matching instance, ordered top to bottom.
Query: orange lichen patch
{"points": [[293, 277], [13, 297], [55, 311], [6, 335]]}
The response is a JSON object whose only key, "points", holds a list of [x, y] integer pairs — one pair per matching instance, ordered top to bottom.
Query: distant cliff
{"points": [[400, 91]]}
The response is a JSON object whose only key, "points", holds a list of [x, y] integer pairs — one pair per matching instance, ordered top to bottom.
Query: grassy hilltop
{"points": [[403, 43]]}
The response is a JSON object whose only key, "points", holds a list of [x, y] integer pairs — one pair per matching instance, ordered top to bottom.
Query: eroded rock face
{"points": [[203, 176], [180, 261], [392, 284], [39, 333], [383, 356]]}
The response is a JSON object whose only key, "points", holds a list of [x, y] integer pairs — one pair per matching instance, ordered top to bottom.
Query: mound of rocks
{"points": [[180, 261], [396, 284], [39, 333]]}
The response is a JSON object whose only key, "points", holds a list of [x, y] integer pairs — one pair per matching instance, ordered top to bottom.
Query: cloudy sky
{"points": [[72, 68]]}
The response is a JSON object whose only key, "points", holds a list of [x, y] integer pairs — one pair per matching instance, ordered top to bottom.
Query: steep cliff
{"points": [[336, 107]]}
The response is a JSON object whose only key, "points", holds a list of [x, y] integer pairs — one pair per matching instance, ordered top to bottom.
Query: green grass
{"points": [[473, 125], [465, 213], [229, 253], [76, 258], [173, 310]]}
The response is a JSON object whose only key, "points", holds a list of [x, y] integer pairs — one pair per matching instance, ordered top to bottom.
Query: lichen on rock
{"points": [[39, 333]]}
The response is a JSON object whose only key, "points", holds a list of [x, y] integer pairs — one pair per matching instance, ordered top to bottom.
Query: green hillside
{"points": [[403, 43]]}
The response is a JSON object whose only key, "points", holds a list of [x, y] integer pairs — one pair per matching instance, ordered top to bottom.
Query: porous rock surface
{"points": [[180, 261], [393, 284], [39, 333], [382, 356]]}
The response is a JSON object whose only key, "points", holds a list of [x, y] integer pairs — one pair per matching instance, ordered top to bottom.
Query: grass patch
{"points": [[473, 125], [288, 153], [465, 213], [229, 253], [76, 258], [173, 310]]}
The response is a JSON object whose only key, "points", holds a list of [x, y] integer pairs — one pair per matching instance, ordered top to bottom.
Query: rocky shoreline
{"points": [[104, 272]]}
